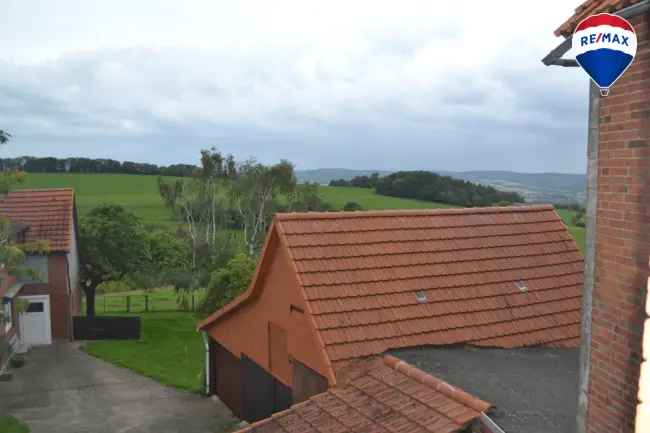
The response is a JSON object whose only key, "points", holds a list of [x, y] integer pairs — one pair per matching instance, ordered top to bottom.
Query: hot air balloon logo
{"points": [[605, 46]]}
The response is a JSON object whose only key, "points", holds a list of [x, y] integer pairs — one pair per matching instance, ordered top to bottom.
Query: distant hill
{"points": [[323, 176], [535, 187]]}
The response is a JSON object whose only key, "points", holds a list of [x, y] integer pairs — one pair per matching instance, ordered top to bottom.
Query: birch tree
{"points": [[255, 191], [202, 201]]}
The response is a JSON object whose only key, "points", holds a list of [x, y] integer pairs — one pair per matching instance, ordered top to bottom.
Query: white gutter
{"points": [[207, 361], [490, 425]]}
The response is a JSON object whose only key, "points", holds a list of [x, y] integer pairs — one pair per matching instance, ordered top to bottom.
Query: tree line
{"points": [[32, 164], [428, 186]]}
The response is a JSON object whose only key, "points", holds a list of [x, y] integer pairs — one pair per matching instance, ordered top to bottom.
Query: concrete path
{"points": [[62, 389]]}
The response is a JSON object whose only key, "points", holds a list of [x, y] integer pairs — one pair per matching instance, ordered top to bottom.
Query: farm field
{"points": [[137, 193], [140, 195], [338, 196], [170, 350]]}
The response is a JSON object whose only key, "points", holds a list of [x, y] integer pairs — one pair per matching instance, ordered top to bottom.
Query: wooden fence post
{"points": [[192, 302], [128, 303], [104, 304]]}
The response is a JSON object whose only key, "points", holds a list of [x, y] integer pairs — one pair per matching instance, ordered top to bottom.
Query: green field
{"points": [[137, 193], [140, 195], [338, 196], [578, 233], [170, 350], [9, 424]]}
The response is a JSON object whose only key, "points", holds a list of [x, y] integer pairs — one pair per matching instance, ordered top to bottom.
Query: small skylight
{"points": [[521, 286], [421, 296]]}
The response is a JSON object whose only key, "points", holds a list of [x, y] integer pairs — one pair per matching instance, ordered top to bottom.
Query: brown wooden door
{"points": [[279, 353]]}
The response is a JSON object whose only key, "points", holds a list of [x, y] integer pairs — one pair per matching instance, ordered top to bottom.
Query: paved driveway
{"points": [[62, 389]]}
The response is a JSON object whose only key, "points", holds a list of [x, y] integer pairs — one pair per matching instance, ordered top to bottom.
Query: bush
{"points": [[352, 206], [227, 283], [113, 287], [17, 361], [9, 424]]}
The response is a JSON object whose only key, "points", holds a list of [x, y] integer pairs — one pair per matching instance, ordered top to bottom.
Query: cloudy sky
{"points": [[374, 85]]}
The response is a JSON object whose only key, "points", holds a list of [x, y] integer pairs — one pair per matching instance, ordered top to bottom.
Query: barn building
{"points": [[332, 289]]}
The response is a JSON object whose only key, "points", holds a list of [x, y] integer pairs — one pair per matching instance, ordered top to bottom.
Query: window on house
{"points": [[39, 267], [35, 307]]}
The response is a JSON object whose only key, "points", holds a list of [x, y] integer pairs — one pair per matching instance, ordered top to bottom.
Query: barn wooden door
{"points": [[280, 367], [263, 394]]}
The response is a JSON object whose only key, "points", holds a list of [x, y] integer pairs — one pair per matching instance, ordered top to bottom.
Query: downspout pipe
{"points": [[206, 344], [489, 426]]}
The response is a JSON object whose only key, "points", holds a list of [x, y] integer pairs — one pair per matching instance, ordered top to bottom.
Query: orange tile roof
{"points": [[591, 7], [47, 213], [361, 273], [380, 395]]}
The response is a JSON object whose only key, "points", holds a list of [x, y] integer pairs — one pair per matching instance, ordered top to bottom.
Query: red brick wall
{"points": [[622, 245]]}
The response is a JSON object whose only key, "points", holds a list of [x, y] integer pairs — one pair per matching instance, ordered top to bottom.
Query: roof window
{"points": [[521, 286], [421, 296]]}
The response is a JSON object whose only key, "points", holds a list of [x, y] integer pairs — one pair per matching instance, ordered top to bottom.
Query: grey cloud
{"points": [[378, 108]]}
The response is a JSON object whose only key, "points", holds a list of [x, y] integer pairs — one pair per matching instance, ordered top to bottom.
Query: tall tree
{"points": [[9, 176], [254, 191], [201, 201], [110, 246]]}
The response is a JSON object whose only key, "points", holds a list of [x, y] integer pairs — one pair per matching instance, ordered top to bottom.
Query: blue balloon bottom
{"points": [[604, 65]]}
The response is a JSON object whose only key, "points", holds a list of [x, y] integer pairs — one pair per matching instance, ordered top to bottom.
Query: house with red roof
{"points": [[47, 216], [347, 291]]}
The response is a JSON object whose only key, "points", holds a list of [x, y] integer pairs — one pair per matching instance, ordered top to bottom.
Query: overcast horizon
{"points": [[362, 86]]}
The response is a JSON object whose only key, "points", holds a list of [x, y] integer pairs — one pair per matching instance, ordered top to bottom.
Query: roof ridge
{"points": [[66, 188], [285, 216], [439, 385]]}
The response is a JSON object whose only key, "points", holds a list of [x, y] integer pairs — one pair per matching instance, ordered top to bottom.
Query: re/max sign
{"points": [[594, 38]]}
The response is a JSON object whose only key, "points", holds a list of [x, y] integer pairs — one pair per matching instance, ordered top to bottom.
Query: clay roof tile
{"points": [[46, 214], [374, 281], [380, 394]]}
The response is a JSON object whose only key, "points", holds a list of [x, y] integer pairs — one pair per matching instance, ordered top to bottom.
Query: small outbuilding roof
{"points": [[43, 215], [374, 281], [533, 390], [382, 394]]}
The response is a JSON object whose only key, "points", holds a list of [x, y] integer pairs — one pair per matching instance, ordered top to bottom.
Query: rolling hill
{"points": [[535, 187]]}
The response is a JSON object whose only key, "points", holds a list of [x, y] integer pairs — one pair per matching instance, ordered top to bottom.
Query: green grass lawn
{"points": [[137, 193], [338, 196], [170, 351], [9, 424]]}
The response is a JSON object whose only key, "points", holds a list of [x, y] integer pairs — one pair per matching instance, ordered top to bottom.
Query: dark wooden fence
{"points": [[161, 302], [106, 328]]}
